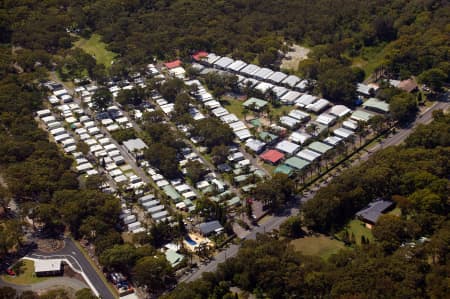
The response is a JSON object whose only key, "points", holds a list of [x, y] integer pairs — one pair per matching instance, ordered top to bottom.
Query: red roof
{"points": [[199, 55], [173, 64], [272, 156]]}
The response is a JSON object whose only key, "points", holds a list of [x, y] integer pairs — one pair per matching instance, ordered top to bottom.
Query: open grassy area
{"points": [[95, 47], [370, 59], [235, 107], [358, 229], [321, 246], [25, 274]]}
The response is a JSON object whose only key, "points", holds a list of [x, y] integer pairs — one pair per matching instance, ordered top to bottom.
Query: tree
{"points": [[434, 78], [171, 88], [135, 96], [102, 99], [403, 107], [377, 123], [219, 154], [195, 170], [291, 228], [390, 231], [119, 257], [154, 272], [7, 293]]}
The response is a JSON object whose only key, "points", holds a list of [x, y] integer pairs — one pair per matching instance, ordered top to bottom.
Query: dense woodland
{"points": [[415, 176]]}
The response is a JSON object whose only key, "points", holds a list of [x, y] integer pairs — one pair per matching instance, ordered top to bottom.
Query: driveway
{"points": [[47, 284]]}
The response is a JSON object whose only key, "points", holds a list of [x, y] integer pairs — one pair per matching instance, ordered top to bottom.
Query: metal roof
{"points": [[374, 210], [208, 227]]}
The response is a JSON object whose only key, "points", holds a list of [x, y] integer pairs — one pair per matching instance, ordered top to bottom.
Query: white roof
{"points": [[211, 58], [223, 62], [237, 65], [250, 69], [263, 73], [277, 77], [291, 80], [302, 84], [263, 87], [280, 91], [290, 97], [305, 100], [212, 104], [318, 106], [339, 110], [219, 111], [297, 114], [229, 118], [325, 119], [289, 121], [350, 124], [236, 126], [344, 133], [243, 134], [299, 137], [332, 140], [254, 144], [287, 147], [308, 155], [47, 265]]}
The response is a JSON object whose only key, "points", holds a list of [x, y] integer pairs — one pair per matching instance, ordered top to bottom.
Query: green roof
{"points": [[258, 103], [376, 104], [361, 115], [256, 122], [267, 137], [320, 147], [296, 162], [283, 168], [259, 173], [172, 193], [234, 201], [188, 202], [173, 257]]}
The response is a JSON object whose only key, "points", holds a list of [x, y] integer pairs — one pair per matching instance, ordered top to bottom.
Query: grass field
{"points": [[95, 47], [370, 59], [235, 107], [358, 229], [321, 246], [25, 274]]}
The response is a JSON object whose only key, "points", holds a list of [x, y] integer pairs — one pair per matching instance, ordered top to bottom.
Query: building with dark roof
{"points": [[373, 211], [207, 228]]}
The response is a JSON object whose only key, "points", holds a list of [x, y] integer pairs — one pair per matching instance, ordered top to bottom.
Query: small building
{"points": [[197, 56], [223, 63], [173, 64], [236, 66], [249, 70], [263, 73], [277, 77], [291, 81], [408, 85], [290, 97], [255, 103], [376, 105], [318, 106], [339, 111], [360, 115], [326, 119], [289, 122], [299, 137], [268, 138], [255, 145], [135, 147], [287, 147], [320, 147], [308, 155], [272, 156], [296, 163], [284, 169], [370, 214], [211, 227], [173, 257], [48, 267]]}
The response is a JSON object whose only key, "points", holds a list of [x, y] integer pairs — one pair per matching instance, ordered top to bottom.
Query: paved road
{"points": [[275, 221], [80, 262], [47, 284]]}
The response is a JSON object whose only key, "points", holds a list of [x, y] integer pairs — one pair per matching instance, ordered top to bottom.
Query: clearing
{"points": [[95, 47], [296, 54], [358, 229], [321, 245], [24, 274]]}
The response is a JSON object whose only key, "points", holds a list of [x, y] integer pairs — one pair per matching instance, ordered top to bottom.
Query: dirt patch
{"points": [[293, 57], [49, 245]]}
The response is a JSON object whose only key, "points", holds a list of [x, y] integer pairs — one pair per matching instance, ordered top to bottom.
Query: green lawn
{"points": [[95, 47], [370, 59], [234, 106], [358, 229], [321, 246], [25, 274]]}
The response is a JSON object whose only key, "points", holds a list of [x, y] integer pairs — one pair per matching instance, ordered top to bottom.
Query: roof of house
{"points": [[199, 55], [224, 62], [173, 64], [237, 65], [250, 69], [263, 73], [277, 77], [291, 80], [407, 85], [264, 87], [279, 91], [257, 102], [377, 104], [339, 110], [360, 115], [289, 121], [342, 132], [267, 137], [299, 137], [134, 144], [255, 144], [287, 147], [320, 147], [308, 155], [272, 156], [297, 163], [283, 168], [172, 193], [373, 211], [209, 227], [173, 257], [47, 265]]}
